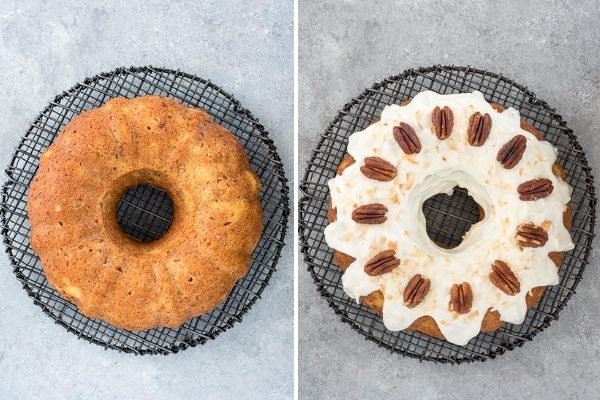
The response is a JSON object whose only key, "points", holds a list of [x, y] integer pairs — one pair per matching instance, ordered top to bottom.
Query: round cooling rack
{"points": [[145, 211], [446, 216]]}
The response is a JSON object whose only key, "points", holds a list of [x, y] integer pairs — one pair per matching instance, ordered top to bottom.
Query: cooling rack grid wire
{"points": [[145, 212], [447, 216]]}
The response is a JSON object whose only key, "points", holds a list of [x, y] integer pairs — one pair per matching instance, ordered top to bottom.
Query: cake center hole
{"points": [[145, 212], [450, 217]]}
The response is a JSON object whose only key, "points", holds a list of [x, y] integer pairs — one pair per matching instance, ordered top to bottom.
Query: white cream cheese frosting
{"points": [[438, 168]]}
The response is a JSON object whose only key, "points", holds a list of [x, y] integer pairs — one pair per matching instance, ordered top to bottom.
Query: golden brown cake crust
{"points": [[73, 199], [426, 324]]}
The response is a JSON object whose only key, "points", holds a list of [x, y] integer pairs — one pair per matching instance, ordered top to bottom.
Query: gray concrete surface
{"points": [[551, 46], [246, 47]]}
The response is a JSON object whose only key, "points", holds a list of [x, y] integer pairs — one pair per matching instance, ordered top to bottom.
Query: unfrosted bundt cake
{"points": [[73, 202], [377, 226]]}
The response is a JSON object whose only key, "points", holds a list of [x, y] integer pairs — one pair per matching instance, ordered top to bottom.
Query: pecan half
{"points": [[443, 121], [479, 129], [407, 138], [510, 154], [378, 169], [535, 189], [370, 214], [530, 235], [382, 263], [504, 278], [416, 290], [461, 298]]}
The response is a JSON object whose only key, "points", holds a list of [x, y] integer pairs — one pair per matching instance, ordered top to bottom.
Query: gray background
{"points": [[550, 46], [46, 47]]}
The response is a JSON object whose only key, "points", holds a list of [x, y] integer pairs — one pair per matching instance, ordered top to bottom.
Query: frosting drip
{"points": [[438, 168]]}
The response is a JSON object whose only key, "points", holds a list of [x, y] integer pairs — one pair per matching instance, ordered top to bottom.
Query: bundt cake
{"points": [[73, 201], [377, 226]]}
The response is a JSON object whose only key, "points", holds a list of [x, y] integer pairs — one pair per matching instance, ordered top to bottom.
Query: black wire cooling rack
{"points": [[145, 212], [448, 217]]}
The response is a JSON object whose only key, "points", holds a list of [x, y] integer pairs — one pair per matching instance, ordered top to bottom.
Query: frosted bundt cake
{"points": [[73, 202], [377, 227]]}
